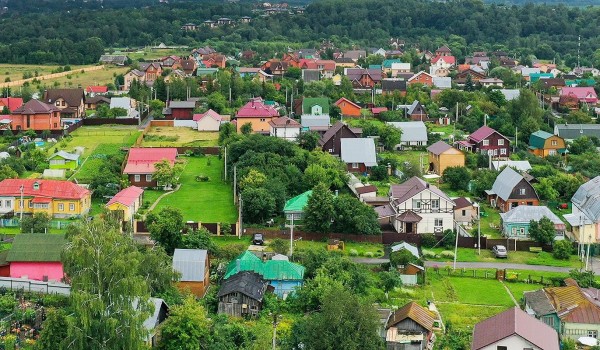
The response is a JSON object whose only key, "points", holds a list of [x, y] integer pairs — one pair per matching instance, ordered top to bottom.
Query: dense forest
{"points": [[547, 2], [80, 35]]}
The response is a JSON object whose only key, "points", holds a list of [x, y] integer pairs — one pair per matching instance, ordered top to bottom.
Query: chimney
{"points": [[427, 185], [264, 257], [238, 265]]}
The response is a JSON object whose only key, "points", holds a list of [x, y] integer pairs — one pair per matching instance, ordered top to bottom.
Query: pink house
{"points": [[583, 94], [37, 256]]}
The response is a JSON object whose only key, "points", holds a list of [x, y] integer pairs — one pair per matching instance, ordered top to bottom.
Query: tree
{"points": [[293, 73], [469, 86], [217, 102], [156, 108], [246, 128], [226, 131], [389, 136], [308, 140], [582, 145], [6, 172], [379, 173], [165, 174], [457, 177], [253, 179], [545, 188], [257, 205], [319, 210], [353, 216], [37, 223], [165, 227], [542, 231], [199, 239], [279, 246], [562, 249], [402, 258], [390, 280], [109, 299], [341, 313], [187, 328], [54, 331]]}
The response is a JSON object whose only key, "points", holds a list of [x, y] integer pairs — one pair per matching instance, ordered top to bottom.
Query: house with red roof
{"points": [[441, 65], [422, 77], [96, 90], [582, 94], [11, 103], [348, 108], [258, 114], [35, 115], [209, 120], [486, 140], [141, 161], [59, 199], [128, 201]]}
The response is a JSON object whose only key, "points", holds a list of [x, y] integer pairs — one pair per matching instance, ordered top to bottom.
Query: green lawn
{"points": [[91, 165], [210, 201], [361, 248], [470, 255], [517, 289], [463, 316]]}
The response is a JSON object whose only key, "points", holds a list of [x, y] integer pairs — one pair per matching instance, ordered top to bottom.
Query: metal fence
{"points": [[35, 286]]}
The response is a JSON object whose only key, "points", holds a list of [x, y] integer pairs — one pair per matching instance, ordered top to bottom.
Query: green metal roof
{"points": [[388, 63], [374, 66], [206, 71], [537, 76], [579, 82], [309, 102], [538, 138], [297, 203], [37, 247], [271, 270]]}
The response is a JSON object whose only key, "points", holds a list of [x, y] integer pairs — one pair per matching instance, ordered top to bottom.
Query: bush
{"points": [[202, 178], [225, 229], [428, 240], [279, 246], [562, 250], [353, 252], [369, 254], [429, 254], [447, 254]]}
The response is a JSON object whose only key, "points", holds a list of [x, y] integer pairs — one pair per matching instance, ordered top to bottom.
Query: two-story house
{"points": [[441, 65], [151, 71], [422, 77], [71, 102], [348, 108], [258, 114], [315, 114], [35, 115], [486, 140], [331, 141], [544, 144], [359, 154], [441, 156], [140, 165], [510, 190], [420, 207], [585, 215]]}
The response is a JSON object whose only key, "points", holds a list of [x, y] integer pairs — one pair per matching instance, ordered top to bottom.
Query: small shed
{"points": [[64, 160], [405, 246], [37, 256], [193, 265], [242, 294]]}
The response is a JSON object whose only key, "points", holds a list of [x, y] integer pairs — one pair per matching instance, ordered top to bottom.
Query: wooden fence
{"points": [[106, 121], [212, 227], [499, 274]]}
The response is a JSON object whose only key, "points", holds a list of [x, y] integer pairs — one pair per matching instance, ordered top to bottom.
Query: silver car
{"points": [[500, 251]]}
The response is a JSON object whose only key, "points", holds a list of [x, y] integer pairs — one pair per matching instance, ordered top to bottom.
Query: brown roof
{"points": [[72, 97], [97, 99], [35, 107], [283, 122], [332, 131], [439, 147], [411, 187], [366, 189], [462, 202], [384, 211], [409, 216], [572, 305], [415, 312], [514, 321]]}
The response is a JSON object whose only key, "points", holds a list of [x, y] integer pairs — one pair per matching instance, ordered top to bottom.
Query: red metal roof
{"points": [[447, 59], [97, 89], [584, 94], [11, 103], [257, 108], [377, 110], [210, 113], [482, 133], [142, 160], [47, 188], [127, 196], [41, 200]]}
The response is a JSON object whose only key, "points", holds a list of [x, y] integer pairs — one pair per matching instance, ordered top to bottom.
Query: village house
{"points": [[442, 65], [151, 71], [131, 76], [364, 78], [421, 78], [394, 85], [94, 90], [584, 95], [69, 101], [10, 103], [92, 103], [179, 110], [414, 111], [258, 114], [35, 115], [209, 120], [285, 128], [570, 132], [414, 134], [331, 140], [486, 140], [544, 144], [358, 154], [441, 156], [64, 160], [139, 167], [510, 190], [58, 199], [128, 201], [294, 207], [420, 207], [465, 211], [585, 216], [515, 222], [37, 256], [194, 267], [242, 294], [410, 327]]}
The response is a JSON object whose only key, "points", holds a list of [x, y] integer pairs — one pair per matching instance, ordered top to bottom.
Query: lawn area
{"points": [[151, 54], [15, 71], [78, 79], [90, 137], [179, 137], [92, 164], [210, 201], [222, 241], [361, 248], [529, 258], [517, 289], [469, 290], [463, 316]]}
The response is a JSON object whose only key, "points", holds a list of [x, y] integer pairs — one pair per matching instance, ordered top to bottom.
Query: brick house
{"points": [[35, 115]]}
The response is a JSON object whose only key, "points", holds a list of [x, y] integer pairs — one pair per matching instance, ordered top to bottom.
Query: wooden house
{"points": [[348, 108], [331, 140], [544, 144], [442, 156], [141, 161], [510, 190], [128, 200], [37, 256], [194, 266], [242, 294], [410, 327]]}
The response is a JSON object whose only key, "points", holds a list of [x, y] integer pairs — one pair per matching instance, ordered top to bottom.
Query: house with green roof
{"points": [[387, 64], [533, 77], [580, 82], [315, 105], [544, 144], [294, 207], [37, 256], [284, 276]]}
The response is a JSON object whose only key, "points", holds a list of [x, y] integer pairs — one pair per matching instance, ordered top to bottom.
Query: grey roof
{"points": [[526, 71], [442, 82], [393, 84], [510, 94], [120, 102], [182, 104], [411, 107], [309, 120], [411, 131], [573, 131], [358, 151], [65, 155], [520, 165], [505, 182], [587, 199], [384, 211], [526, 213], [401, 246], [190, 263], [248, 283], [538, 301], [154, 320]]}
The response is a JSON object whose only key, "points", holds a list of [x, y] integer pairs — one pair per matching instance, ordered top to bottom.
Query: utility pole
{"points": [[225, 163], [234, 183], [240, 216], [292, 237]]}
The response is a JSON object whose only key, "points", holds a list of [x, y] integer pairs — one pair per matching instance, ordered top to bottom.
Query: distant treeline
{"points": [[547, 2], [78, 36]]}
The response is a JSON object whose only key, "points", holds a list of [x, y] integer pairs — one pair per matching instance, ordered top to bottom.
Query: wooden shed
{"points": [[194, 267], [242, 294]]}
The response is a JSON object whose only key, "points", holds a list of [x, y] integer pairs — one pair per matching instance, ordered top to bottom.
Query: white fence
{"points": [[185, 123], [35, 286]]}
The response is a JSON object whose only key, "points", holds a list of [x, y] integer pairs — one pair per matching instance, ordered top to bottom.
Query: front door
{"points": [[409, 227]]}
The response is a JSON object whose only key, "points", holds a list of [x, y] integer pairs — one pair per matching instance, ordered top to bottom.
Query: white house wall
{"points": [[285, 133], [427, 224], [513, 342]]}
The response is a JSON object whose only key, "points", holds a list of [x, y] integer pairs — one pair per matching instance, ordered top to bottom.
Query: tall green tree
{"points": [[319, 210], [36, 223], [165, 227], [542, 231], [187, 328]]}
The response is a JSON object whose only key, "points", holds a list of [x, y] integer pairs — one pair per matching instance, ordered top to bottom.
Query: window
{"points": [[57, 103], [63, 103], [262, 119], [486, 142], [500, 142], [553, 142], [502, 150], [552, 152], [354, 165], [148, 177], [136, 178], [36, 186], [522, 191], [530, 203], [0, 204], [21, 204], [30, 204], [416, 204], [435, 204], [40, 205], [71, 206], [61, 207], [463, 213], [438, 222], [514, 231], [522, 231], [549, 320], [593, 334], [501, 348]]}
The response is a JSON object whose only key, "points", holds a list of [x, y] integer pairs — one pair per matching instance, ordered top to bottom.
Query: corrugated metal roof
{"points": [[411, 131], [439, 147], [358, 151], [520, 165], [505, 182], [587, 199], [297, 203], [526, 213], [405, 246], [190, 263], [271, 270], [538, 301], [414, 312]]}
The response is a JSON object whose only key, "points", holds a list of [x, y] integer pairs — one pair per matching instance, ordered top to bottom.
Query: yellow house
{"points": [[258, 114], [544, 144], [442, 156], [59, 199], [128, 201]]}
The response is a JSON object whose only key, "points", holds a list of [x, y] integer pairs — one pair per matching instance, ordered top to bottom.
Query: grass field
{"points": [[150, 54], [16, 71], [79, 79], [90, 137], [179, 137], [210, 201], [470, 255]]}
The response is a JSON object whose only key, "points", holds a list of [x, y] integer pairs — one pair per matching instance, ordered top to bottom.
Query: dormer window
{"points": [[36, 185]]}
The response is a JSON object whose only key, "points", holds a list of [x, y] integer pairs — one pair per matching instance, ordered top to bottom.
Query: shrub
{"points": [[202, 178], [225, 229], [428, 240], [279, 246], [562, 250], [353, 252], [369, 254], [429, 254], [447, 254]]}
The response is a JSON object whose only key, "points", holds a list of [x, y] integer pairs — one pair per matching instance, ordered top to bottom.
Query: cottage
{"points": [[118, 60], [441, 65], [364, 78], [421, 78], [488, 82], [442, 83], [395, 85], [584, 95], [69, 101], [92, 103], [180, 110], [415, 111], [258, 114], [315, 114], [35, 115], [209, 120], [285, 128], [570, 132], [413, 134], [331, 139], [486, 140], [544, 144], [358, 154], [442, 156], [64, 160], [141, 161], [511, 190], [59, 199], [128, 201], [294, 207], [420, 207], [465, 211], [585, 216], [515, 223], [37, 256], [194, 266], [242, 294], [410, 327], [513, 329]]}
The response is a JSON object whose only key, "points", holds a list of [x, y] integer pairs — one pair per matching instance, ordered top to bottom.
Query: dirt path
{"points": [[510, 293]]}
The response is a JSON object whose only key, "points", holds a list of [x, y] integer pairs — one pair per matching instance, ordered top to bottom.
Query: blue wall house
{"points": [[515, 222]]}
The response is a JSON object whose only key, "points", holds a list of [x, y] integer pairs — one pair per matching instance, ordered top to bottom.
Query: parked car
{"points": [[257, 239], [500, 251]]}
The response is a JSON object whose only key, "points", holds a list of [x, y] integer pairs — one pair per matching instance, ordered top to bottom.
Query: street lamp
{"points": [[476, 205]]}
